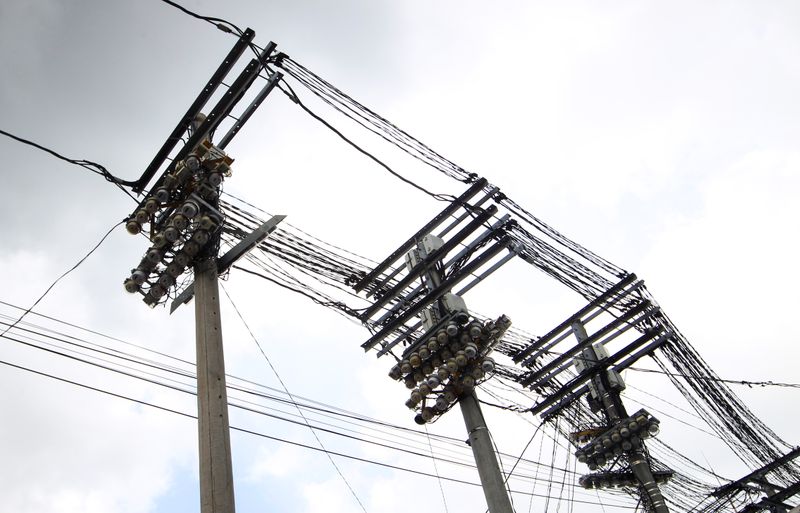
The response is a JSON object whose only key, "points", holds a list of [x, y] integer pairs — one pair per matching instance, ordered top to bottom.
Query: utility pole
{"points": [[185, 226], [447, 350], [604, 386], [480, 440], [216, 473], [494, 486]]}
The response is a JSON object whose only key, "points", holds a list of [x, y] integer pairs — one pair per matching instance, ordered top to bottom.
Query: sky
{"points": [[661, 135]]}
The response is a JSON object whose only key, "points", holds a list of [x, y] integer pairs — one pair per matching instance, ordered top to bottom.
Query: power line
{"points": [[223, 25], [293, 97], [89, 165], [26, 312], [719, 380], [291, 398], [239, 406], [252, 432]]}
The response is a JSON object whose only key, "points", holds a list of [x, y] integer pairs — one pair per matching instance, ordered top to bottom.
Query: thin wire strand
{"points": [[47, 291]]}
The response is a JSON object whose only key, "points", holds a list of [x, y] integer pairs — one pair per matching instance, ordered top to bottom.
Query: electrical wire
{"points": [[223, 25], [94, 167], [47, 291], [719, 380], [291, 398], [252, 432]]}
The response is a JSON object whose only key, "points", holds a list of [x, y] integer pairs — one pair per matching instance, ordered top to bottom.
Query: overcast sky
{"points": [[661, 135]]}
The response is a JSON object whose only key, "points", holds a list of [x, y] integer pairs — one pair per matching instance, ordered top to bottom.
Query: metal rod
{"points": [[271, 83], [212, 85], [491, 192], [452, 207], [423, 266], [438, 291], [567, 323], [569, 353], [584, 376]]}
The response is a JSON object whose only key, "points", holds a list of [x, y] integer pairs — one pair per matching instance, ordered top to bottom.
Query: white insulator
{"points": [[192, 162], [214, 179], [162, 194], [151, 205], [190, 209], [180, 221], [207, 223], [133, 227], [171, 234], [201, 237], [159, 241], [191, 248], [154, 256], [182, 258], [174, 270], [139, 277], [166, 281], [131, 286], [157, 291], [452, 330], [475, 331], [471, 350], [487, 365]]}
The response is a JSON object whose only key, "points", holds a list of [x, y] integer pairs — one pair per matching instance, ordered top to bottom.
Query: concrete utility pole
{"points": [[182, 211], [614, 410], [480, 440], [216, 473], [494, 486]]}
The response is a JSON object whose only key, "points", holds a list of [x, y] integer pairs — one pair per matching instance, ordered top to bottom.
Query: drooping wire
{"points": [[223, 25], [293, 97], [94, 167], [47, 291], [744, 382], [291, 398], [436, 469]]}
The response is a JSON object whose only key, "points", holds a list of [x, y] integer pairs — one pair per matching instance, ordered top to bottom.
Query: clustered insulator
{"points": [[181, 221], [448, 363], [622, 438], [620, 479]]}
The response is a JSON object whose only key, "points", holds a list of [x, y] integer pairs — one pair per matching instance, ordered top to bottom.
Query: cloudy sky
{"points": [[661, 135]]}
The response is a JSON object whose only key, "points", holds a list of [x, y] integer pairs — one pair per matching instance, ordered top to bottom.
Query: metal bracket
{"points": [[228, 259]]}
